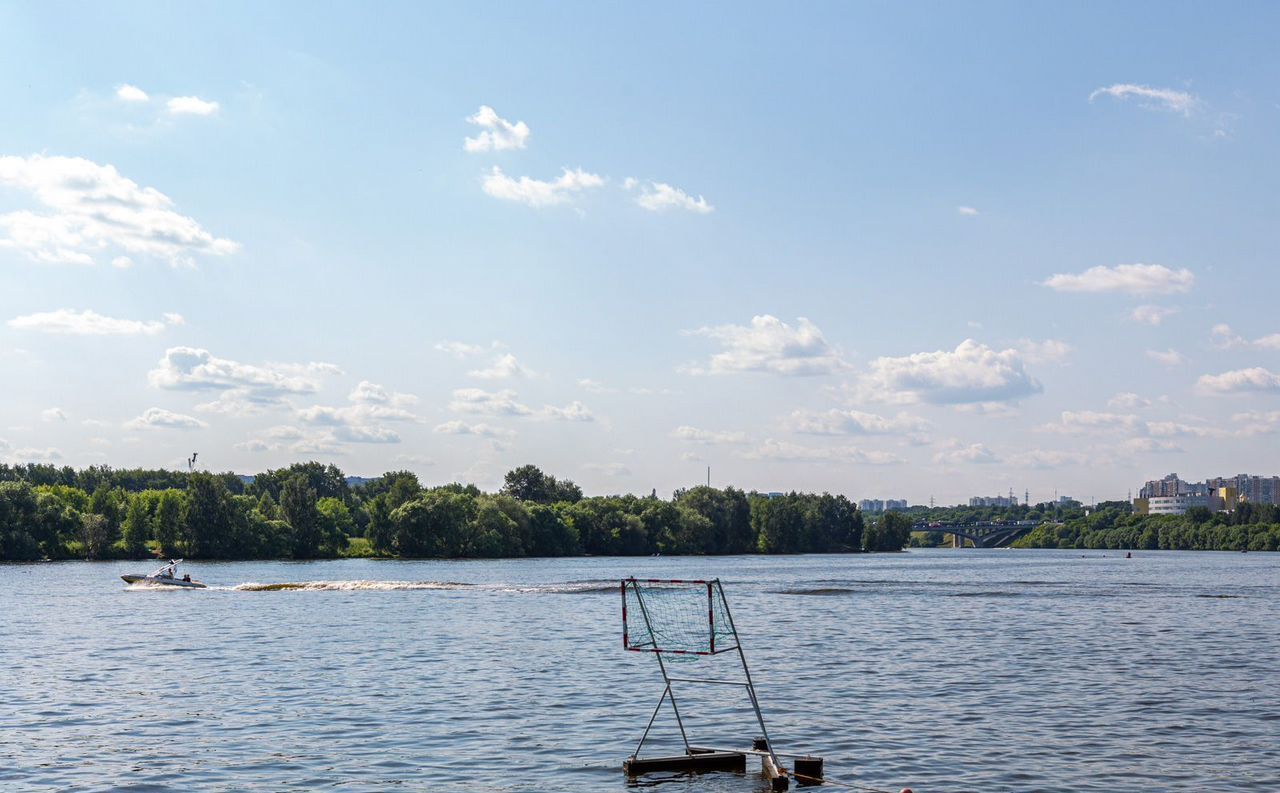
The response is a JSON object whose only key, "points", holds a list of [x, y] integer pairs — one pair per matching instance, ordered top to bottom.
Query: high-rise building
{"points": [[1171, 485], [1254, 489], [993, 501], [891, 504], [871, 505]]}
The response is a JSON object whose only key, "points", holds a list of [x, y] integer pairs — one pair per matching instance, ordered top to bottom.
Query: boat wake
{"points": [[349, 586]]}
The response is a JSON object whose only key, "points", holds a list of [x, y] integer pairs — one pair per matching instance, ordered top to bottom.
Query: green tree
{"points": [[298, 504], [208, 521], [169, 522], [137, 528]]}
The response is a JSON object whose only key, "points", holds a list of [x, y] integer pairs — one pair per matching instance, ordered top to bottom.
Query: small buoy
{"points": [[906, 790]]}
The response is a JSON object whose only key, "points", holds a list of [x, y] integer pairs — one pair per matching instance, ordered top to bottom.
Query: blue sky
{"points": [[877, 249]]}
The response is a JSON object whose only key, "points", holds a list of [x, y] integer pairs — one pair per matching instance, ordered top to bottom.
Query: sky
{"points": [[889, 250]]}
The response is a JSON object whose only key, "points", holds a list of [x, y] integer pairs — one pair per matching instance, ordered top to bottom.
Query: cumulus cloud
{"points": [[131, 93], [1152, 98], [191, 106], [497, 134], [538, 193], [660, 197], [91, 209], [966, 211], [1133, 279], [1152, 315], [90, 323], [1226, 338], [769, 345], [459, 349], [1047, 351], [1169, 357], [503, 367], [972, 373], [1240, 381], [594, 386], [246, 388], [372, 393], [1127, 400], [487, 403], [574, 411], [53, 414], [159, 418], [854, 422], [1075, 422], [483, 430], [707, 437], [786, 452], [957, 453], [47, 454], [1046, 458], [608, 469]]}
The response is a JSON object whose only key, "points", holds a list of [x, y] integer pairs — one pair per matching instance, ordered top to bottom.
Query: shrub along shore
{"points": [[309, 511]]}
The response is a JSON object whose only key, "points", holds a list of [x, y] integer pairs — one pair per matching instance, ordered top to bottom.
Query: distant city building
{"points": [[1171, 485], [1254, 489], [774, 494], [1221, 494], [993, 501], [878, 505], [1175, 505]]}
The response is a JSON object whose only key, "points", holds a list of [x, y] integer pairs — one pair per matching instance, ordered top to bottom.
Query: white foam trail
{"points": [[348, 586]]}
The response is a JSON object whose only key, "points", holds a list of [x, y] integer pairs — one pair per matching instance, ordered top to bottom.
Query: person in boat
{"points": [[186, 577]]}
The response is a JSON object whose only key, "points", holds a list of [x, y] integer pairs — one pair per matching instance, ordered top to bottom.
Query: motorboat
{"points": [[165, 576]]}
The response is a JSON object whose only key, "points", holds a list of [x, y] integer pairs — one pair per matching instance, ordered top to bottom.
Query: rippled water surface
{"points": [[939, 670]]}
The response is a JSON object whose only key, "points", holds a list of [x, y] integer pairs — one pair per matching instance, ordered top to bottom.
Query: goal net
{"points": [[678, 617]]}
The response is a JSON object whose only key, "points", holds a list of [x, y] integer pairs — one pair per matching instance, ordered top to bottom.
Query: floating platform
{"points": [[696, 760], [806, 769]]}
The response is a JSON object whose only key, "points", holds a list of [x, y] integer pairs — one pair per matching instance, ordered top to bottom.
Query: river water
{"points": [[940, 670]]}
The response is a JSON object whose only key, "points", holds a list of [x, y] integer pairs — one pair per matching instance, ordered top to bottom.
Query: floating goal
{"points": [[687, 620]]}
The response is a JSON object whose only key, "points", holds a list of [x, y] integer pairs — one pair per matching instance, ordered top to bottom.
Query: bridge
{"points": [[982, 535]]}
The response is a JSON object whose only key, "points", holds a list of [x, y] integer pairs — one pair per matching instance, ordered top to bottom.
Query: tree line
{"points": [[309, 511], [1114, 525]]}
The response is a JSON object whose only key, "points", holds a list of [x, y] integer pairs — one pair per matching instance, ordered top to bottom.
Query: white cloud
{"points": [[131, 93], [1153, 98], [191, 106], [497, 133], [537, 193], [660, 197], [91, 209], [967, 211], [122, 262], [1133, 279], [1152, 315], [90, 323], [1226, 338], [769, 345], [459, 349], [1047, 351], [1170, 357], [503, 367], [972, 373], [1238, 381], [245, 385], [594, 386], [372, 393], [1127, 400], [487, 403], [574, 411], [53, 414], [359, 414], [159, 418], [854, 422], [1075, 422], [1256, 423], [483, 430], [695, 435], [1149, 446], [782, 451], [974, 453], [48, 454], [1045, 458], [609, 469]]}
